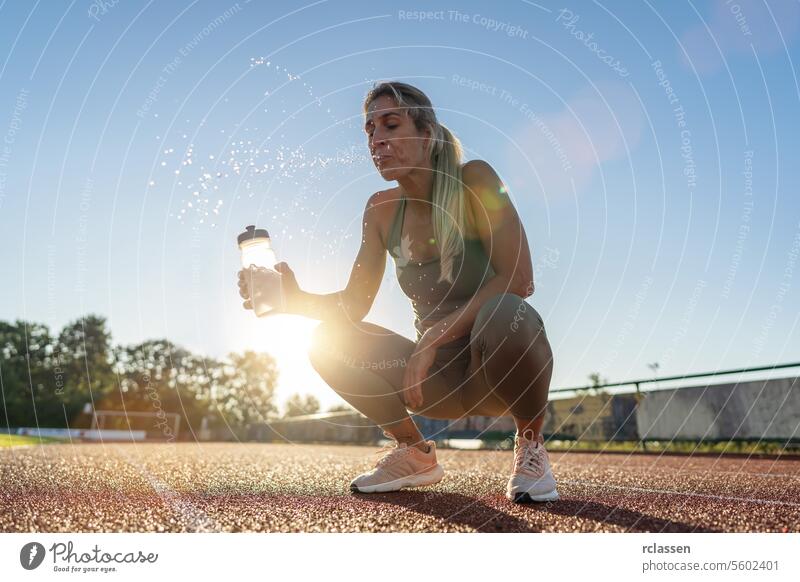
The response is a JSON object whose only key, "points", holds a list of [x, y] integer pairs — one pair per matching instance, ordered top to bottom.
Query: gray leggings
{"points": [[502, 367]]}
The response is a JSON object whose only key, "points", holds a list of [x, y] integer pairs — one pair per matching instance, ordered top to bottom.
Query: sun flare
{"points": [[286, 337]]}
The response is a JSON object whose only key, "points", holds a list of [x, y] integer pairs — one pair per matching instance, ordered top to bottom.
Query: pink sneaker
{"points": [[401, 466], [532, 479]]}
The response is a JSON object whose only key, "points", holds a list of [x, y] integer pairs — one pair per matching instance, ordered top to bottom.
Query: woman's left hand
{"points": [[416, 372]]}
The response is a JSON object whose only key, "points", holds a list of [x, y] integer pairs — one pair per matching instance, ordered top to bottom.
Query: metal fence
{"points": [[594, 413], [624, 429]]}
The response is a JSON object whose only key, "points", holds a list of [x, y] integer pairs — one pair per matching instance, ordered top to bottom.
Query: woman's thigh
{"points": [[506, 329], [362, 345], [371, 347]]}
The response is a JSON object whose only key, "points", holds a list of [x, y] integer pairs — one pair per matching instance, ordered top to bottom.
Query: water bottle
{"points": [[256, 250]]}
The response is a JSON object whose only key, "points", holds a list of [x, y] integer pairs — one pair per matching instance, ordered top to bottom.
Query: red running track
{"points": [[304, 488]]}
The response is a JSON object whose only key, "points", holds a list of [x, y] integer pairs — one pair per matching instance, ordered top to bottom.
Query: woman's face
{"points": [[396, 146]]}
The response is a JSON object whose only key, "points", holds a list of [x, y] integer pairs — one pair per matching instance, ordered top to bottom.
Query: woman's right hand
{"points": [[255, 276], [244, 288], [289, 288]]}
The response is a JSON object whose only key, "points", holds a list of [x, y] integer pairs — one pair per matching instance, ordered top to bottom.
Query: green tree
{"points": [[82, 360], [145, 371], [46, 381], [597, 382], [243, 388], [29, 395], [298, 405], [341, 408]]}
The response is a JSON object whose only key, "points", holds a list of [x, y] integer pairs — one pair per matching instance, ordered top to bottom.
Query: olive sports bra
{"points": [[430, 300]]}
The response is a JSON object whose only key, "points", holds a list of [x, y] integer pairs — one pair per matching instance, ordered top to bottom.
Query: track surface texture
{"points": [[304, 488]]}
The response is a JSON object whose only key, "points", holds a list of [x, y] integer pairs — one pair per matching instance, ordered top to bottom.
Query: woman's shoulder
{"points": [[478, 173], [477, 176], [483, 187], [384, 202], [383, 205]]}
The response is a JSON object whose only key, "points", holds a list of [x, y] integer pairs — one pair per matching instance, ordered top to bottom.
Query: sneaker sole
{"points": [[430, 477], [525, 497]]}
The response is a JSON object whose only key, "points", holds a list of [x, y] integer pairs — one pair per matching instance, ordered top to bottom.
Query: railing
{"points": [[637, 383], [639, 386]]}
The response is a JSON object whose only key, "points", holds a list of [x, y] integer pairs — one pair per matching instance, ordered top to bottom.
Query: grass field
{"points": [[12, 440], [502, 441], [685, 447]]}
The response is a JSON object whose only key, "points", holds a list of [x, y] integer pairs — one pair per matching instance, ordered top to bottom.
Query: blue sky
{"points": [[650, 148]]}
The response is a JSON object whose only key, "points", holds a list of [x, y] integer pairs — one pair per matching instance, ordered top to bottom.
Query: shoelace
{"points": [[393, 451], [529, 456]]}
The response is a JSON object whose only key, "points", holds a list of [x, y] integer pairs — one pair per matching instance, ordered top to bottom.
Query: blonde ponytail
{"points": [[448, 200]]}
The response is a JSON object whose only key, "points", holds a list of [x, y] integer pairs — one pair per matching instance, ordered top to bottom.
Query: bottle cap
{"points": [[252, 232]]}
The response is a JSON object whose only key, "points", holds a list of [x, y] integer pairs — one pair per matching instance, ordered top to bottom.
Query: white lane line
{"points": [[195, 519]]}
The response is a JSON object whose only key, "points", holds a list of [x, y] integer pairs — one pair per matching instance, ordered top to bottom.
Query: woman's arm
{"points": [[503, 237], [356, 299]]}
